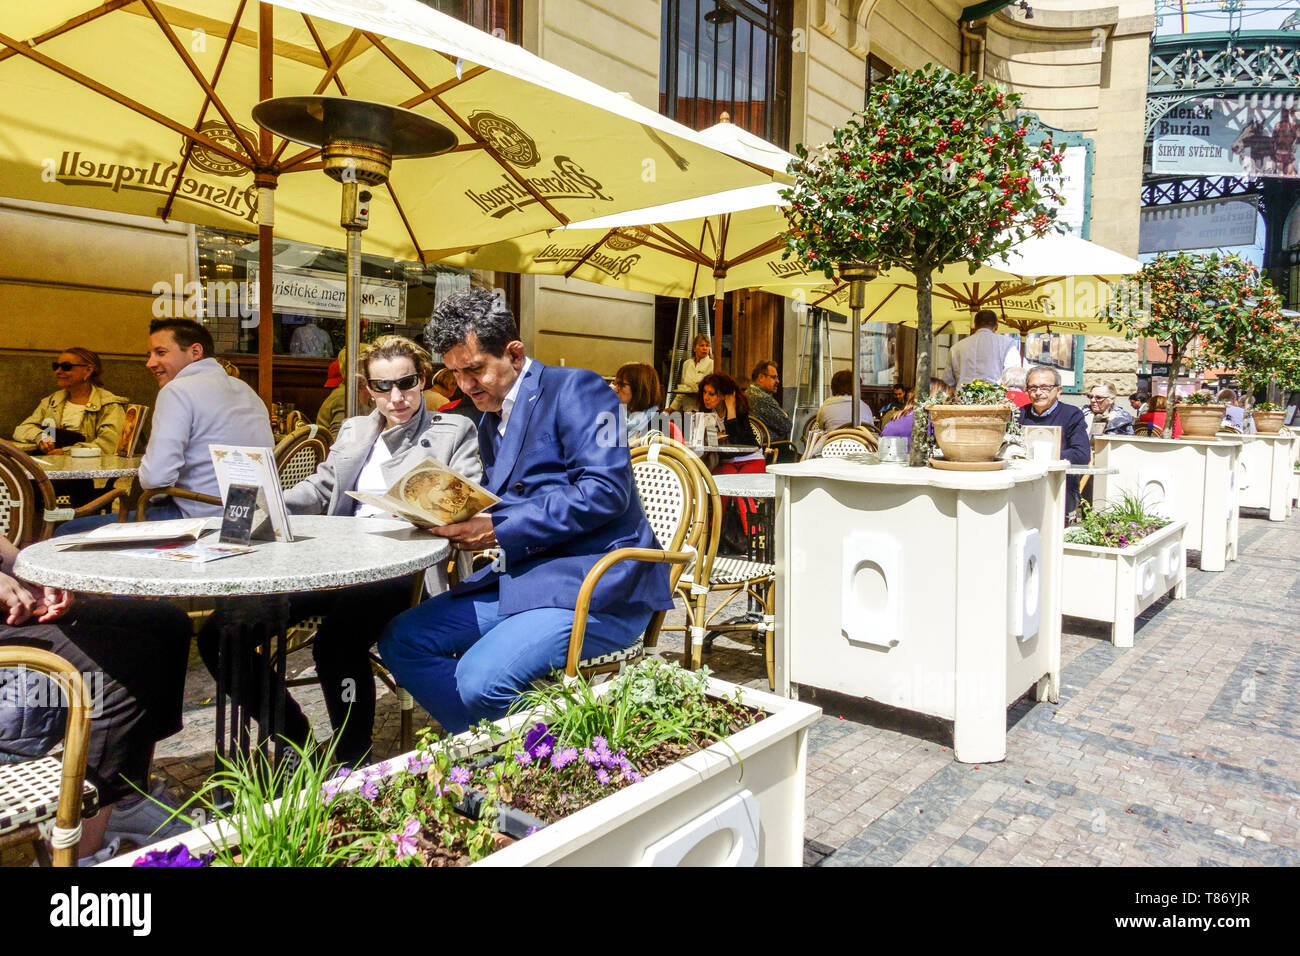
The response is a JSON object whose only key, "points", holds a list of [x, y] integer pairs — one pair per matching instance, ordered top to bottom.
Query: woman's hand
{"points": [[731, 406], [45, 445], [472, 535]]}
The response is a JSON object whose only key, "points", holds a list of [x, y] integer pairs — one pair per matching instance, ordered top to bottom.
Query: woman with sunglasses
{"points": [[85, 414], [371, 453]]}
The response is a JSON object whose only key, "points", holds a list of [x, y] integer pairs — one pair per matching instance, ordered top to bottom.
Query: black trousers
{"points": [[352, 620], [132, 654]]}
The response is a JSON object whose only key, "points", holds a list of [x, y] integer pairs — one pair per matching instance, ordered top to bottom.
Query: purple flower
{"points": [[536, 739], [601, 745], [590, 756], [524, 758], [562, 758], [418, 764], [381, 769], [343, 772], [459, 775], [602, 775], [632, 776], [330, 788], [370, 790], [530, 831], [405, 840], [179, 855]]}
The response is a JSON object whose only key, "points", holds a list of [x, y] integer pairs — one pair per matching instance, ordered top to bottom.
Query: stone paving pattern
{"points": [[1178, 751]]}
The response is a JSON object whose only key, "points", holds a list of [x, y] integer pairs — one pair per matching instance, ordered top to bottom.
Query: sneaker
{"points": [[148, 820], [103, 855]]}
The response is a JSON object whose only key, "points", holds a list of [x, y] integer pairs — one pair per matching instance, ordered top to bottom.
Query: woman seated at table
{"points": [[637, 386], [720, 394], [85, 414], [1156, 418], [901, 427], [370, 454], [133, 655]]}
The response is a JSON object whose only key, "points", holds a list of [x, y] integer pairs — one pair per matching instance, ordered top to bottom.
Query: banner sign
{"points": [[1243, 136], [1199, 225], [324, 295]]}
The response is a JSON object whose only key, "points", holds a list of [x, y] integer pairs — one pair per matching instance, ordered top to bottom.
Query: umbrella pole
{"points": [[265, 212], [719, 297], [353, 313]]}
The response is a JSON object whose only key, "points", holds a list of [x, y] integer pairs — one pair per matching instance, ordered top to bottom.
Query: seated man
{"points": [[764, 403], [198, 405], [1045, 408], [837, 411], [567, 499], [133, 656]]}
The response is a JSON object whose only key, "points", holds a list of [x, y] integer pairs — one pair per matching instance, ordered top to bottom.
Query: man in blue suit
{"points": [[567, 499]]}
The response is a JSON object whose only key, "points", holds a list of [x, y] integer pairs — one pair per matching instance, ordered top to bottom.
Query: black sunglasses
{"points": [[66, 366], [386, 384]]}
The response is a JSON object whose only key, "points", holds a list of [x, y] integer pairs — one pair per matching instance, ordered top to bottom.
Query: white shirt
{"points": [[983, 355], [693, 372], [508, 403], [201, 406], [371, 478]]}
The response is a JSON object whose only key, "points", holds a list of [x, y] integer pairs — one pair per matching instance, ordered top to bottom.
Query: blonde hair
{"points": [[397, 346]]}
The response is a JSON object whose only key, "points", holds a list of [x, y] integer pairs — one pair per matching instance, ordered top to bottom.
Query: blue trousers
{"points": [[163, 511], [465, 662]]}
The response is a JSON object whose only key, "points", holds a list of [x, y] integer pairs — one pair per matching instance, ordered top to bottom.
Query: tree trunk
{"points": [[924, 349], [1175, 366]]}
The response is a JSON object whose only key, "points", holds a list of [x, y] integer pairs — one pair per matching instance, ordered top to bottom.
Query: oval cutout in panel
{"points": [[870, 589]]}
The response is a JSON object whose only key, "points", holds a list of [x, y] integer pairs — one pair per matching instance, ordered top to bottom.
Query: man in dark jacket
{"points": [[1046, 408]]}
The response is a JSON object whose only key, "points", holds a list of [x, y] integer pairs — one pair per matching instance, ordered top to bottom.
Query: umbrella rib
{"points": [[71, 24], [345, 53], [324, 54], [193, 67], [66, 71], [331, 74], [428, 93], [165, 214], [405, 222], [762, 249], [591, 251], [696, 254]]}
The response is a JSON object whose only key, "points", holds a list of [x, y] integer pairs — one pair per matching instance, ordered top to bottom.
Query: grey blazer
{"points": [[451, 439]]}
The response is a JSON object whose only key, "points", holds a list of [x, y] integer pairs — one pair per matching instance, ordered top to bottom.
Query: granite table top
{"points": [[59, 467], [747, 486], [327, 552]]}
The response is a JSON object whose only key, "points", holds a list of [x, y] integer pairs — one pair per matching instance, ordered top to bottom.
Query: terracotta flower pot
{"points": [[1200, 421], [1269, 423], [969, 432]]}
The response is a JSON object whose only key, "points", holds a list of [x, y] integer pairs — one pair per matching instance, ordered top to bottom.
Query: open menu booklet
{"points": [[431, 495], [176, 539]]}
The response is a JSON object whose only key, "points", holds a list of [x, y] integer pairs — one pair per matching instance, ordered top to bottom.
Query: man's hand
{"points": [[472, 535], [15, 600], [53, 604]]}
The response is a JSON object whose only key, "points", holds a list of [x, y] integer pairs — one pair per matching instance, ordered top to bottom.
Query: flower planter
{"points": [[1201, 421], [1269, 423], [969, 433], [1265, 474], [1189, 480], [1117, 584], [739, 802]]}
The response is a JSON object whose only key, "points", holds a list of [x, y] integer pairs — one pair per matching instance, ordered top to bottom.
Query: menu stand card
{"points": [[129, 434], [1043, 442], [253, 467], [245, 517]]}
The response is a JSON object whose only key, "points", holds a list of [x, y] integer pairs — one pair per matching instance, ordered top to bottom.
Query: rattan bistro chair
{"points": [[843, 442], [299, 454], [666, 482], [28, 501], [48, 794]]}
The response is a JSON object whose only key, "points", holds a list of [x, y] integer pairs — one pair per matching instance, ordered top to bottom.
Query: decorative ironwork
{"points": [[1160, 192]]}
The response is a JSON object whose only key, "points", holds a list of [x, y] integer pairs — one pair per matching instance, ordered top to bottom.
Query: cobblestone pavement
{"points": [[1179, 751]]}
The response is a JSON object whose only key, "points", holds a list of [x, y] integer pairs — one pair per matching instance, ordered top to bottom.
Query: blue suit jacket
{"points": [[567, 499]]}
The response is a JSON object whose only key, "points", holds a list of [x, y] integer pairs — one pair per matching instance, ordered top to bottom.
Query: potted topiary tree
{"points": [[931, 172], [1192, 297], [970, 428]]}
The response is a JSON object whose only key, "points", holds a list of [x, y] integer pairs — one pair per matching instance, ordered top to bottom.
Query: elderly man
{"points": [[983, 355], [763, 403], [1046, 408], [1103, 416], [567, 499]]}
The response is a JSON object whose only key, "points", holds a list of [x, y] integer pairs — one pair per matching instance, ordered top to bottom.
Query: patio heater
{"points": [[358, 141], [856, 275]]}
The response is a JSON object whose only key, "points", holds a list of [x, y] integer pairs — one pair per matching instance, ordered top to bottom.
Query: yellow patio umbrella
{"points": [[144, 107]]}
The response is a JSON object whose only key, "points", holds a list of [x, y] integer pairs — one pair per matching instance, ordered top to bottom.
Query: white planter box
{"points": [[1265, 474], [1192, 480], [1118, 584], [935, 591], [738, 803]]}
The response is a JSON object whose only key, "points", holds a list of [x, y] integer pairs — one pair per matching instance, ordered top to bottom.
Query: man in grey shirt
{"points": [[763, 404]]}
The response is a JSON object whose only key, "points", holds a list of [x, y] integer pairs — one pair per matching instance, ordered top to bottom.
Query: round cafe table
{"points": [[67, 468], [327, 552]]}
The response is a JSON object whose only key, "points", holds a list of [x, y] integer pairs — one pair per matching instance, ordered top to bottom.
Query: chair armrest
{"points": [[149, 493], [99, 504], [652, 555]]}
